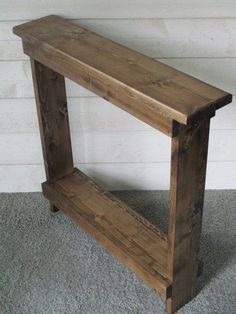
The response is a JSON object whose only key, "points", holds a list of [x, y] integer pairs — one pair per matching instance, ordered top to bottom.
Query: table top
{"points": [[153, 86]]}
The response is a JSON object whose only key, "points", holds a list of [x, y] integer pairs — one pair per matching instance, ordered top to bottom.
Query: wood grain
{"points": [[120, 75], [15, 76], [155, 93], [52, 112], [94, 114], [188, 172], [131, 238]]}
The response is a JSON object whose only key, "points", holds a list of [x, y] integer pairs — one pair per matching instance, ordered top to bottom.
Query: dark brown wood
{"points": [[99, 84], [149, 90], [50, 95], [174, 103], [52, 112], [188, 172], [53, 208], [130, 237], [200, 267]]}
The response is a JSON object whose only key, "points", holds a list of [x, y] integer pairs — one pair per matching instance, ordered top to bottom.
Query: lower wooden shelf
{"points": [[132, 239]]}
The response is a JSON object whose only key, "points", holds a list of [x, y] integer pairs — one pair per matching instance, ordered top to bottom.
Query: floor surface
{"points": [[49, 265]]}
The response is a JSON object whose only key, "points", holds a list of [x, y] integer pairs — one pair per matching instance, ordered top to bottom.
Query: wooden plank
{"points": [[119, 9], [156, 38], [217, 72], [118, 74], [15, 76], [124, 100], [51, 103], [86, 114], [93, 114], [112, 147], [188, 172], [119, 176], [128, 236]]}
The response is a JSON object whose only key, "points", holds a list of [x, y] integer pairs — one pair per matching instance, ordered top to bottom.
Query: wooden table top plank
{"points": [[160, 88]]}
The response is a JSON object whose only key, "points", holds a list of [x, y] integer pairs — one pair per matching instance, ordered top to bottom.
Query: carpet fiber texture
{"points": [[50, 265]]}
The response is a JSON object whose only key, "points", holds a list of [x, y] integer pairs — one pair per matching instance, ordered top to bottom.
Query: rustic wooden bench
{"points": [[174, 103]]}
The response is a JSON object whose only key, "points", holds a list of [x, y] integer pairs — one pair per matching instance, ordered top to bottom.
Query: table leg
{"points": [[50, 95], [188, 172]]}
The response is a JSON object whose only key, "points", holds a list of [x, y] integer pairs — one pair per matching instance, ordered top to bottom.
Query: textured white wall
{"points": [[198, 37]]}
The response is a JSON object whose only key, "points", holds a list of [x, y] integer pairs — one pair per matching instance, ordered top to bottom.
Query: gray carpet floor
{"points": [[49, 265]]}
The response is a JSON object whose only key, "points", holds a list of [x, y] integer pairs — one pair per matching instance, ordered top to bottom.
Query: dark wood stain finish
{"points": [[148, 89], [51, 103], [174, 103], [52, 112], [188, 172], [127, 235]]}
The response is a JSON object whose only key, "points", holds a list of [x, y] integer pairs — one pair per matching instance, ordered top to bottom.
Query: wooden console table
{"points": [[174, 103]]}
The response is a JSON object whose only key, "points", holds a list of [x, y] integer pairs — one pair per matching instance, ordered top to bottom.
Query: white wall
{"points": [[198, 37]]}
